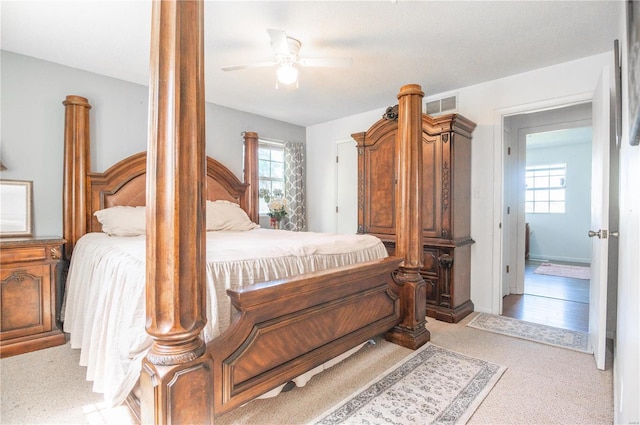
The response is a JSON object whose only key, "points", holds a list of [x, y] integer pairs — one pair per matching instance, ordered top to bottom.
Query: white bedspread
{"points": [[105, 294]]}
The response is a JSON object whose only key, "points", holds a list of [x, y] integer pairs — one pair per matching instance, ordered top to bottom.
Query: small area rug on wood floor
{"points": [[563, 270], [564, 338], [430, 386]]}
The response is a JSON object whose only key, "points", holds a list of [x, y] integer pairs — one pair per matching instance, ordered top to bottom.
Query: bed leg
{"points": [[412, 331], [167, 396]]}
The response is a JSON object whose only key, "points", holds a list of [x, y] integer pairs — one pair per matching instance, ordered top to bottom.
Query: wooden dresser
{"points": [[446, 204], [28, 294]]}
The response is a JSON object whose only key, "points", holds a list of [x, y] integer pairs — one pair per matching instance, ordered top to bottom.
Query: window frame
{"points": [[272, 146], [549, 192]]}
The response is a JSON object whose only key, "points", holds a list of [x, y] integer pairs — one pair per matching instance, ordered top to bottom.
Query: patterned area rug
{"points": [[574, 272], [573, 340], [430, 386]]}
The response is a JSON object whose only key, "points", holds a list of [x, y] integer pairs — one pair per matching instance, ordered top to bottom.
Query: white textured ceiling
{"points": [[441, 45]]}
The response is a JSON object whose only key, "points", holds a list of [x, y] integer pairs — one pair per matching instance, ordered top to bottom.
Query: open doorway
{"points": [[547, 200]]}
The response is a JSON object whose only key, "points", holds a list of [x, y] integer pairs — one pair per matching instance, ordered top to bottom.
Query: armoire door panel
{"points": [[461, 146], [380, 165], [430, 186]]}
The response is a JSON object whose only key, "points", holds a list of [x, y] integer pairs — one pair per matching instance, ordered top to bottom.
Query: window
{"points": [[270, 172], [545, 188]]}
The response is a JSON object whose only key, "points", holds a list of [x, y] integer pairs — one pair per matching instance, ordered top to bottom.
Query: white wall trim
{"points": [[337, 179], [498, 179]]}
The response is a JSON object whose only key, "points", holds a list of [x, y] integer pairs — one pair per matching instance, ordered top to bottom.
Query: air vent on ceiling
{"points": [[439, 106]]}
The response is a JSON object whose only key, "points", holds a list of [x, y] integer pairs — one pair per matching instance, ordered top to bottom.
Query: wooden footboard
{"points": [[289, 327], [283, 329]]}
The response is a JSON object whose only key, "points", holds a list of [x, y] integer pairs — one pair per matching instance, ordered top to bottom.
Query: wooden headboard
{"points": [[124, 183]]}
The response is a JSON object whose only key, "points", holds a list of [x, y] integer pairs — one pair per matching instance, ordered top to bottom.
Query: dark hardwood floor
{"points": [[550, 300]]}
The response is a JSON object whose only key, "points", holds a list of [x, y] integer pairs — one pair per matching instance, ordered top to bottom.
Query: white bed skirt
{"points": [[104, 308]]}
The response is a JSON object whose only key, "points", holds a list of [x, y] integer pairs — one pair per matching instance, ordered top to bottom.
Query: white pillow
{"points": [[225, 215], [122, 221], [131, 221]]}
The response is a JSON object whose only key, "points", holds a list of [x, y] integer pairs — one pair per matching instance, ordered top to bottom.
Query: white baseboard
{"points": [[562, 259]]}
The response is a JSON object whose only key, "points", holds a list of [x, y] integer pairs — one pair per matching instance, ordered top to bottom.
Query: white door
{"points": [[347, 187], [599, 219]]}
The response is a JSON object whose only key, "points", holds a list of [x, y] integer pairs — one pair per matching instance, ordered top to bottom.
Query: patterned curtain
{"points": [[294, 165]]}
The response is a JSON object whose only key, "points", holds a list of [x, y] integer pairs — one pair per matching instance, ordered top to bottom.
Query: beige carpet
{"points": [[563, 270], [542, 385]]}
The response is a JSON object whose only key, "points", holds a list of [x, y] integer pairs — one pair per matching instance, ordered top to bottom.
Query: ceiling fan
{"points": [[286, 50]]}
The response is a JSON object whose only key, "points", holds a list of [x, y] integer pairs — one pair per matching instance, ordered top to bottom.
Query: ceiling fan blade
{"points": [[279, 42], [326, 62], [251, 65]]}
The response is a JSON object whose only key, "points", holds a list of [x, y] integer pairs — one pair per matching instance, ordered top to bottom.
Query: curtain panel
{"points": [[294, 181]]}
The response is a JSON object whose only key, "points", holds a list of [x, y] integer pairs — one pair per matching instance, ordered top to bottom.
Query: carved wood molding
{"points": [[391, 113], [446, 186], [55, 253], [168, 359]]}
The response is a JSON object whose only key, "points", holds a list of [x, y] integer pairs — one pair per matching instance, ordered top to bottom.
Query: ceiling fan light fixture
{"points": [[287, 74]]}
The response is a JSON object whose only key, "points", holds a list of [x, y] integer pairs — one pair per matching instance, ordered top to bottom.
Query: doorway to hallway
{"points": [[547, 205], [562, 302]]}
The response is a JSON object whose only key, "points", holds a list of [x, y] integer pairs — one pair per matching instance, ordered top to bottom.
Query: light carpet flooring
{"points": [[542, 385]]}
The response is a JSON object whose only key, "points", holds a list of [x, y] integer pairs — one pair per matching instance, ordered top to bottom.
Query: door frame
{"points": [[518, 160], [498, 181], [341, 182]]}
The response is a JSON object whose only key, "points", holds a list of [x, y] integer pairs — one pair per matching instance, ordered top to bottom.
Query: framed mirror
{"points": [[16, 197]]}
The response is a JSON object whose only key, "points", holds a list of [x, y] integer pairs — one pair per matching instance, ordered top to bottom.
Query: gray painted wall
{"points": [[32, 128], [563, 237]]}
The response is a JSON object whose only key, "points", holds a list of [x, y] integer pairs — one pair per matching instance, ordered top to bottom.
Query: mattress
{"points": [[104, 309]]}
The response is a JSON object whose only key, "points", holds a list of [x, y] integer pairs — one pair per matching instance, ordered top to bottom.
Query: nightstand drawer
{"points": [[34, 253]]}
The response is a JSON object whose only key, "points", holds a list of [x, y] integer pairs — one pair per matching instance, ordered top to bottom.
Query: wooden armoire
{"points": [[446, 203]]}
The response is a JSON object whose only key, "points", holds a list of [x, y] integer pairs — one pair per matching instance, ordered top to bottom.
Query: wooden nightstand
{"points": [[28, 294]]}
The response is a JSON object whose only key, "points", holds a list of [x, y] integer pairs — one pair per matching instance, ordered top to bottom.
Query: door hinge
{"points": [[509, 150], [336, 159], [336, 209], [508, 210], [507, 269]]}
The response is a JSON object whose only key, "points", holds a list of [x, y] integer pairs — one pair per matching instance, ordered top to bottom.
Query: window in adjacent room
{"points": [[270, 172], [545, 188]]}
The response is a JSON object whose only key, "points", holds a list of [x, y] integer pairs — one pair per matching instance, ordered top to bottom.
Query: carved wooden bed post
{"points": [[76, 167], [251, 174], [411, 332], [176, 381]]}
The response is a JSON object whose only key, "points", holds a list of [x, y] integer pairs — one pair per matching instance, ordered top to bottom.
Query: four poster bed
{"points": [[104, 304], [196, 363]]}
